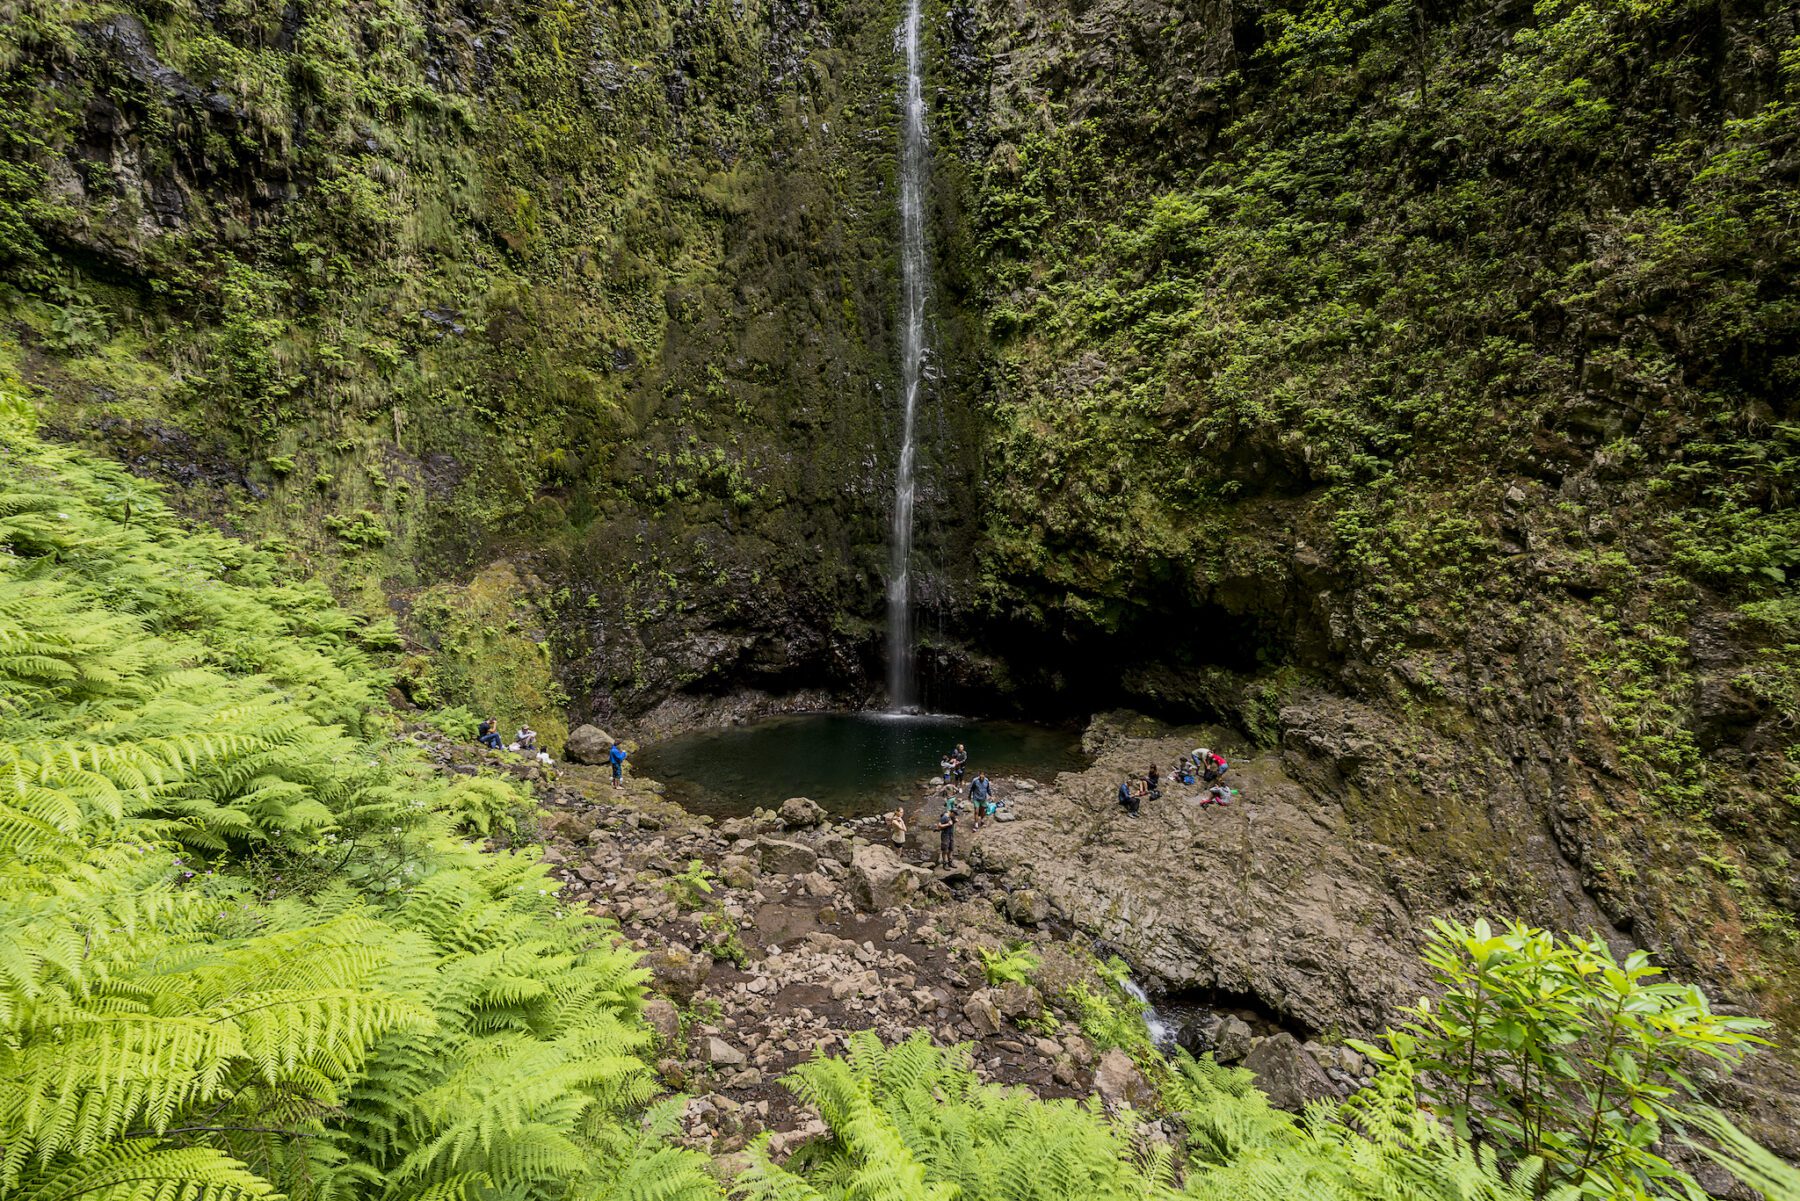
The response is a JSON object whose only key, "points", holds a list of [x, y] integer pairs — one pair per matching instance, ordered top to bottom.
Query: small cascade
{"points": [[915, 288], [1162, 1035]]}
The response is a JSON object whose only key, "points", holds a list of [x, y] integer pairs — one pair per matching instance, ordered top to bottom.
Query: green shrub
{"points": [[1553, 1049]]}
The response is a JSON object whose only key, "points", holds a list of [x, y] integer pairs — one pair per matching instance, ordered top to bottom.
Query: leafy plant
{"points": [[691, 886], [723, 940], [1014, 965], [1551, 1048]]}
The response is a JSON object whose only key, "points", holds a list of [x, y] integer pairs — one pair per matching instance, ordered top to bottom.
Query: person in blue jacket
{"points": [[617, 758]]}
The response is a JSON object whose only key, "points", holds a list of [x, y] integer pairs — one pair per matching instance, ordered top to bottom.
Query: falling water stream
{"points": [[915, 285]]}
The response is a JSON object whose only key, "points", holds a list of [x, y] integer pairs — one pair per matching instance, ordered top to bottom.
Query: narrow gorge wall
{"points": [[413, 286], [1412, 388]]}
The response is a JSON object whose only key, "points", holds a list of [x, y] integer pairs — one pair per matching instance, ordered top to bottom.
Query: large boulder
{"points": [[588, 744], [801, 813], [780, 857], [879, 880], [1016, 999], [1232, 1040], [722, 1054], [1286, 1073], [1119, 1082]]}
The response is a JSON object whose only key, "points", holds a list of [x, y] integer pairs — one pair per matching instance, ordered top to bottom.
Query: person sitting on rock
{"points": [[488, 734], [527, 740], [1153, 784], [1128, 798], [947, 836]]}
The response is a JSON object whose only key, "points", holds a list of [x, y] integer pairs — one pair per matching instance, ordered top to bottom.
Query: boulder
{"points": [[588, 744], [801, 813], [566, 824], [835, 846], [781, 857], [738, 871], [879, 880], [817, 884], [1027, 907], [679, 972], [1018, 1000], [981, 1012], [664, 1019], [1200, 1035], [1232, 1040], [722, 1054], [1286, 1073], [1119, 1082]]}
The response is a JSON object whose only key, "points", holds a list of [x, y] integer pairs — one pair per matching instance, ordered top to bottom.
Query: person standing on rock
{"points": [[616, 757], [958, 757], [981, 796], [896, 825], [947, 836]]}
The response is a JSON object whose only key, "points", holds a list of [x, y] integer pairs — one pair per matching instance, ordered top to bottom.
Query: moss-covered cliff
{"points": [[412, 285], [1412, 385]]}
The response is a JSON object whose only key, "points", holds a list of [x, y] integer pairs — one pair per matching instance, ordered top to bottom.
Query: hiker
{"points": [[488, 734], [527, 739], [616, 757], [958, 757], [946, 765], [1212, 766], [1186, 770], [1153, 784], [1218, 794], [981, 795], [1128, 798], [896, 826], [947, 835]]}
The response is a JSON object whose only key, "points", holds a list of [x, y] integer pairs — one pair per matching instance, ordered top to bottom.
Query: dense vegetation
{"points": [[1435, 355], [247, 948]]}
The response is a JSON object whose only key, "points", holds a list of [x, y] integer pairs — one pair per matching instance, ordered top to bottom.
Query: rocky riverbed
{"points": [[1296, 906], [815, 928]]}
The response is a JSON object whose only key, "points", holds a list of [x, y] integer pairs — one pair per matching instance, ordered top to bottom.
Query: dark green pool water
{"points": [[854, 764]]}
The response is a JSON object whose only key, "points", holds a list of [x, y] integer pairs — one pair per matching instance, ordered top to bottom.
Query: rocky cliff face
{"points": [[415, 285], [1410, 388]]}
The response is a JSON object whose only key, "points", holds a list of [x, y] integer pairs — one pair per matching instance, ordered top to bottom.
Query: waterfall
{"points": [[915, 284], [1162, 1035]]}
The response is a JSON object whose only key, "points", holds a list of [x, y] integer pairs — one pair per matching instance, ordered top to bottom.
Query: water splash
{"points": [[915, 286], [1162, 1034]]}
